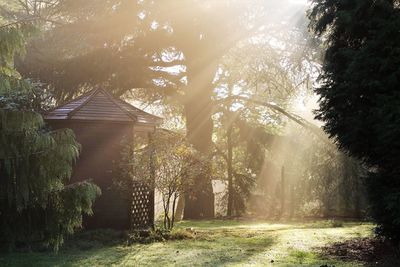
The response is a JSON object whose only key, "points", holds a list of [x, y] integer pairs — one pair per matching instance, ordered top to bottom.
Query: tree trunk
{"points": [[230, 172], [153, 179], [282, 191], [292, 198], [199, 204], [179, 208], [173, 211]]}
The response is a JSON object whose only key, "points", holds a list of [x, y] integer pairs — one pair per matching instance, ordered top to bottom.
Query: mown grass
{"points": [[216, 243]]}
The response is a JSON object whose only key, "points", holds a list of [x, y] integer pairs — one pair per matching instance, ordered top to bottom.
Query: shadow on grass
{"points": [[278, 224], [217, 243], [106, 249], [207, 250], [368, 251]]}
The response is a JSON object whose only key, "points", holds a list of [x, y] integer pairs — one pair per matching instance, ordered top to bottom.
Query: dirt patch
{"points": [[372, 251]]}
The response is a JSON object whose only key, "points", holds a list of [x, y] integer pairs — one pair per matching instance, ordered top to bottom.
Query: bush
{"points": [[384, 196], [335, 223], [181, 234], [158, 235]]}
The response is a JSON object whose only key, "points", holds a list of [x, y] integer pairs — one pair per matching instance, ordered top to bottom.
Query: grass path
{"points": [[217, 243]]}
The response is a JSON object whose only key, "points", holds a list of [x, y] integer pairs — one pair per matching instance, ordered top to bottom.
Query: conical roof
{"points": [[99, 105]]}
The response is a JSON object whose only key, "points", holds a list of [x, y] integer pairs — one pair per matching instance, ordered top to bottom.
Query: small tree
{"points": [[168, 165]]}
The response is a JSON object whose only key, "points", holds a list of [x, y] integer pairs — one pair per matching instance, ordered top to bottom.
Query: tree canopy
{"points": [[228, 72]]}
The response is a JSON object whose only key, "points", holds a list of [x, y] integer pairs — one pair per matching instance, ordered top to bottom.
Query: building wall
{"points": [[102, 143]]}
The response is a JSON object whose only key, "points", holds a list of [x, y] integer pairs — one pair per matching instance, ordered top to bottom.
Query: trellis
{"points": [[142, 215]]}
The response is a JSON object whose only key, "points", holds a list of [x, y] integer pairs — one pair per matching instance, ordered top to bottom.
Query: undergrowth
{"points": [[158, 235]]}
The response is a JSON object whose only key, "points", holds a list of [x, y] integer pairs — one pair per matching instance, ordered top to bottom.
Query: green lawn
{"points": [[217, 243]]}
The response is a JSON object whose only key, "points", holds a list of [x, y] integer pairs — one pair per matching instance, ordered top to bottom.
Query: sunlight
{"points": [[300, 2], [262, 133]]}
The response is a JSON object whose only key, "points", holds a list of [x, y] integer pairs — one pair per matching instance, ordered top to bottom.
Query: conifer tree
{"points": [[359, 94], [36, 204]]}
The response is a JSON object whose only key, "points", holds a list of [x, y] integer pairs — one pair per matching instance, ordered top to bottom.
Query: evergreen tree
{"points": [[172, 49], [359, 94], [36, 205]]}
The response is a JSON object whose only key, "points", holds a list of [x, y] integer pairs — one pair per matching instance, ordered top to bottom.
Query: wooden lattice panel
{"points": [[142, 207]]}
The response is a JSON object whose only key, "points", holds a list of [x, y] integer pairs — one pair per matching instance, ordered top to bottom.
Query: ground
{"points": [[220, 243]]}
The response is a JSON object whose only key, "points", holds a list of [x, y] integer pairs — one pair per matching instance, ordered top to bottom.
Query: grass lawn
{"points": [[217, 243]]}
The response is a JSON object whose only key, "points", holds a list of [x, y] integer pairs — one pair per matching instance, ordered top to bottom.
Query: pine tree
{"points": [[359, 94], [36, 204]]}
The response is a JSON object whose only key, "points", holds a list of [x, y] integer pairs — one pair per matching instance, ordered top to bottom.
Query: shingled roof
{"points": [[99, 105]]}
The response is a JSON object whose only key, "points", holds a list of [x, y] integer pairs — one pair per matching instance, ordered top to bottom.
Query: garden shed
{"points": [[101, 123]]}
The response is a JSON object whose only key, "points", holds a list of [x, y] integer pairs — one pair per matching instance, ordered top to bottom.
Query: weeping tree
{"points": [[245, 128], [323, 180], [335, 181], [36, 202]]}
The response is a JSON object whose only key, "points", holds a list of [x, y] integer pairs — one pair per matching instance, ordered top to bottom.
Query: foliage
{"points": [[169, 59], [183, 63], [359, 96], [246, 131], [246, 158], [35, 163], [168, 165], [304, 175], [331, 178], [159, 234]]}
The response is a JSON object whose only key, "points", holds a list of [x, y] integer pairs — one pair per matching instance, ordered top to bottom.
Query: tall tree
{"points": [[199, 37], [171, 48], [359, 96], [245, 130], [36, 204]]}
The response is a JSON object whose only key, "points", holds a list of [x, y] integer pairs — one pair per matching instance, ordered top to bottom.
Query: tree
{"points": [[197, 30], [172, 49], [359, 94], [245, 129], [168, 165], [328, 178], [36, 204]]}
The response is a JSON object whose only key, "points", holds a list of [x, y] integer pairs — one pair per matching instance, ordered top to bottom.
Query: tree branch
{"points": [[296, 118]]}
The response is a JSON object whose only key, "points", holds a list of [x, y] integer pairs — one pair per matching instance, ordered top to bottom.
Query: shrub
{"points": [[158, 235]]}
